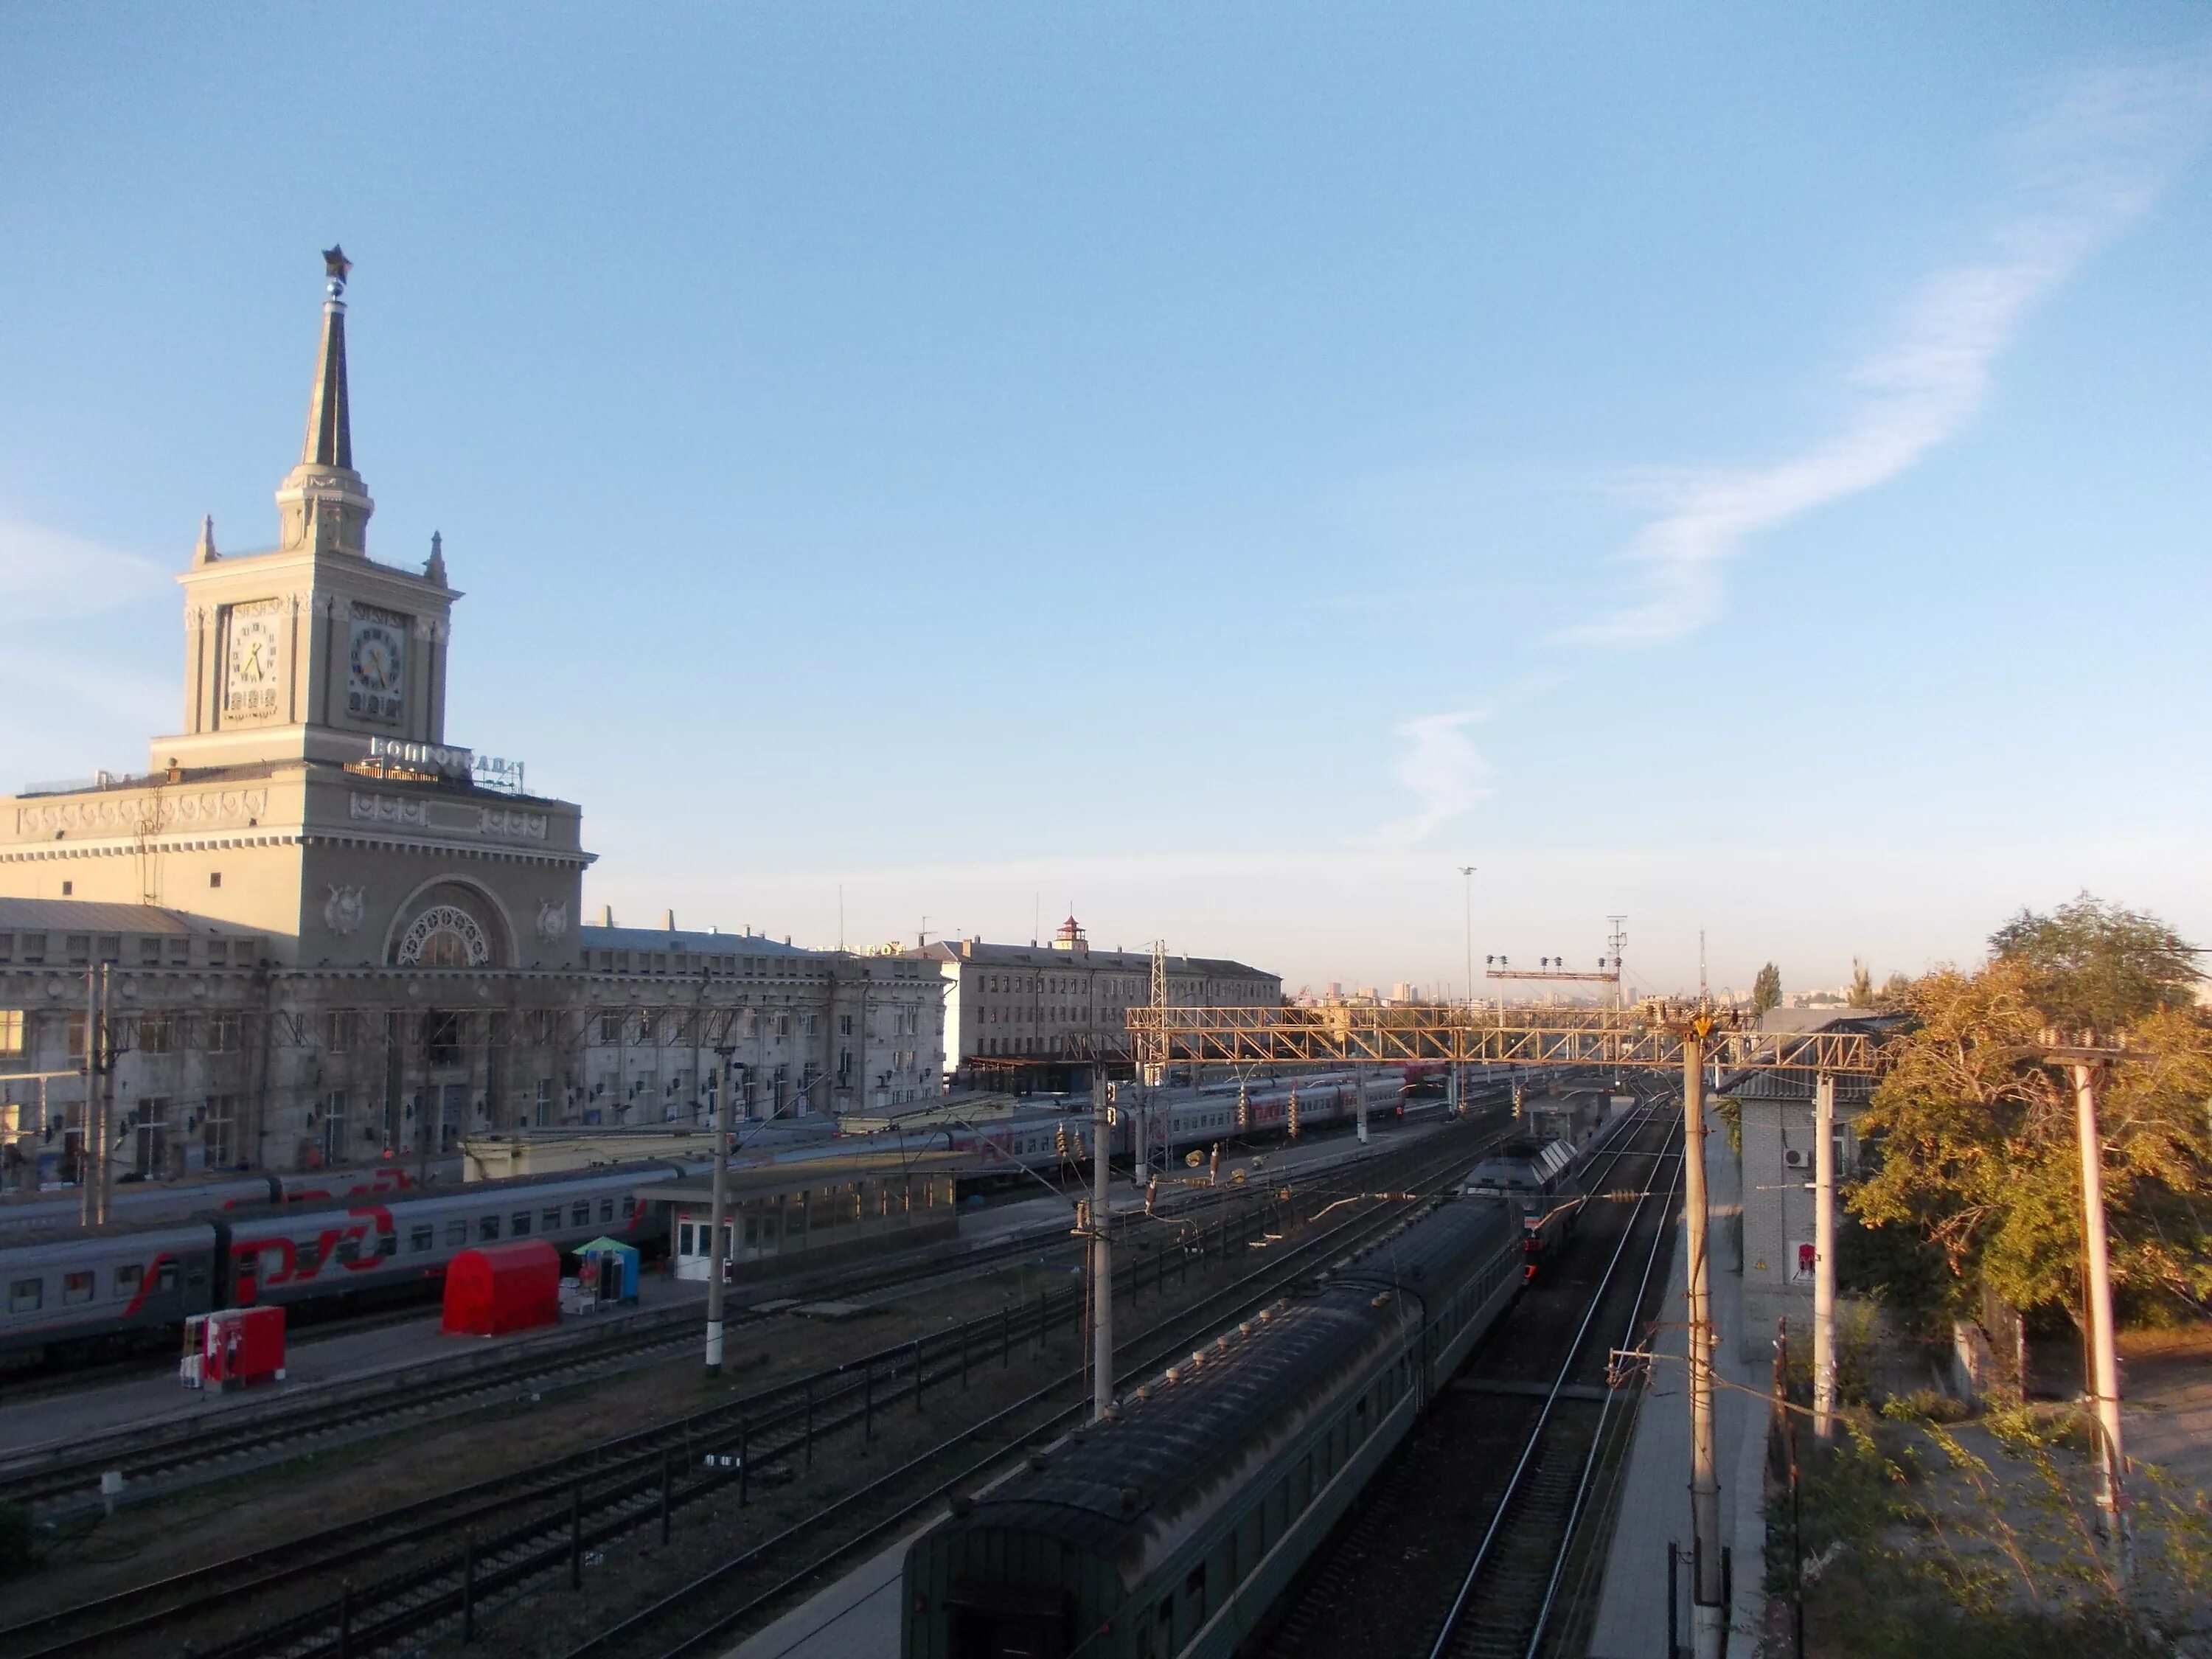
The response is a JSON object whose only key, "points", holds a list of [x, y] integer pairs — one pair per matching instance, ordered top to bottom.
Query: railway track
{"points": [[217, 1444], [473, 1546], [1461, 1546], [738, 1592], [1509, 1593]]}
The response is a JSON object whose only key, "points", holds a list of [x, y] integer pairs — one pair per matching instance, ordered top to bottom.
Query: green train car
{"points": [[1168, 1532]]}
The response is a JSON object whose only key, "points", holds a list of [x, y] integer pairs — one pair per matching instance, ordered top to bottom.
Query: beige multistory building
{"points": [[334, 933], [1033, 1013]]}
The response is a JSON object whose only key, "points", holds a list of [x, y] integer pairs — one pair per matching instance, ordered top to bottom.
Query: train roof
{"points": [[68, 1249], [1133, 1490]]}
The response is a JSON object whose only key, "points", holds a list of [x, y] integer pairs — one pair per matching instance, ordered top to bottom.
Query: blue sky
{"points": [[1224, 468]]}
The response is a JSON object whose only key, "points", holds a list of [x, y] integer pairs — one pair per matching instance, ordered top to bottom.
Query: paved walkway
{"points": [[331, 1353], [1655, 1507], [855, 1618]]}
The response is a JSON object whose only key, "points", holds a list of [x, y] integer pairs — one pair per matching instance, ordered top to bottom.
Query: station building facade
{"points": [[331, 933], [1032, 1013]]}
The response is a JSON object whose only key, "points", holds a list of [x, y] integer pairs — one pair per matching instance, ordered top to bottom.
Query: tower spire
{"points": [[329, 424], [323, 505]]}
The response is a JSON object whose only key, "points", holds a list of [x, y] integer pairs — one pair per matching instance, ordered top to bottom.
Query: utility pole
{"points": [[1694, 1025], [2082, 1052], [718, 1213], [1824, 1257], [1102, 1258]]}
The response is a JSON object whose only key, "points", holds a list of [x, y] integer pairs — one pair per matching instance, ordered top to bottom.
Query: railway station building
{"points": [[332, 932], [1035, 1016]]}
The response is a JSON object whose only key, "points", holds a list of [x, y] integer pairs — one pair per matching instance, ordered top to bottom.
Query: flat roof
{"points": [[92, 916], [778, 1179]]}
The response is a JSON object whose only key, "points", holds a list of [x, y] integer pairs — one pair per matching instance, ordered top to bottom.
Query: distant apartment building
{"points": [[1033, 1014]]}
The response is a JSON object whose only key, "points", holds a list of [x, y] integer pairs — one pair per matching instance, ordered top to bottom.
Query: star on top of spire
{"points": [[335, 266]]}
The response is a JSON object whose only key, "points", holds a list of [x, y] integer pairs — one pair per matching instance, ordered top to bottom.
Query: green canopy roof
{"points": [[601, 1245]]}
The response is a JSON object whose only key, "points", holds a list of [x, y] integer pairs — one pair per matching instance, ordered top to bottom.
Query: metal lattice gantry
{"points": [[1654, 1035]]}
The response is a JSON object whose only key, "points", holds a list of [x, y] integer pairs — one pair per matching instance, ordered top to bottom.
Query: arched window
{"points": [[444, 936]]}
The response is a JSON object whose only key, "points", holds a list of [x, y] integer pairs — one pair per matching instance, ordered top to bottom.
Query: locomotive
{"points": [[1171, 1528]]}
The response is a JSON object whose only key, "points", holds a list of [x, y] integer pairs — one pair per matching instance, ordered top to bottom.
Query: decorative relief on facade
{"points": [[390, 809], [129, 814], [510, 821], [342, 910], [552, 920], [444, 936]]}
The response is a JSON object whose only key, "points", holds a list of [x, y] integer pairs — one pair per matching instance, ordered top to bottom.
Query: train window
{"points": [[606, 1209], [580, 1216], [551, 1218], [521, 1225], [487, 1228], [456, 1234], [421, 1238], [387, 1244], [347, 1249], [305, 1260], [165, 1276], [128, 1279], [77, 1286], [24, 1295], [1193, 1597]]}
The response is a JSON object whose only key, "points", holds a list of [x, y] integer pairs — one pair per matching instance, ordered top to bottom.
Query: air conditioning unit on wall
{"points": [[1793, 1159]]}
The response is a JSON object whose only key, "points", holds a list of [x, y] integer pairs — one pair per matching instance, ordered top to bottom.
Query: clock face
{"points": [[253, 664], [376, 665]]}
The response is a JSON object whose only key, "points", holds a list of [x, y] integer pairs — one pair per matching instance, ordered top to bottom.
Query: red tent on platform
{"points": [[497, 1288]]}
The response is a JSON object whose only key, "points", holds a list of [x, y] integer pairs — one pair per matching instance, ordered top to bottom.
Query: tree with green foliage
{"points": [[2094, 965], [1766, 989], [1896, 991], [1862, 992], [1977, 1154]]}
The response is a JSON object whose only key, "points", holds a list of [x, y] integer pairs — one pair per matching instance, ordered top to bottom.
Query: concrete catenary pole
{"points": [[104, 1066], [1360, 1095], [88, 1151], [718, 1213], [1102, 1256], [1824, 1256], [2105, 1369], [1709, 1626]]}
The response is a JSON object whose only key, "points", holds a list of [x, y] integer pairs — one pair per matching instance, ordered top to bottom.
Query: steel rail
{"points": [[1378, 1219], [1597, 1437], [147, 1453], [634, 1458], [1513, 1484], [453, 1508], [420, 1600]]}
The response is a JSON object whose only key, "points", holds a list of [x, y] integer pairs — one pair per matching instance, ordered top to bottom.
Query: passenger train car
{"points": [[106, 1288], [1169, 1531]]}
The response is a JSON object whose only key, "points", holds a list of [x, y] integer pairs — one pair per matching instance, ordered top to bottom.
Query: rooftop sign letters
{"points": [[485, 771]]}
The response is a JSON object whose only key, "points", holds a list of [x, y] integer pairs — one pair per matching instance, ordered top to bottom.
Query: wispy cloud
{"points": [[2084, 176], [44, 573], [1444, 771]]}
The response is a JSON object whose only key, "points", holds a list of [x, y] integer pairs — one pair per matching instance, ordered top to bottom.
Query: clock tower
{"points": [[309, 650]]}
